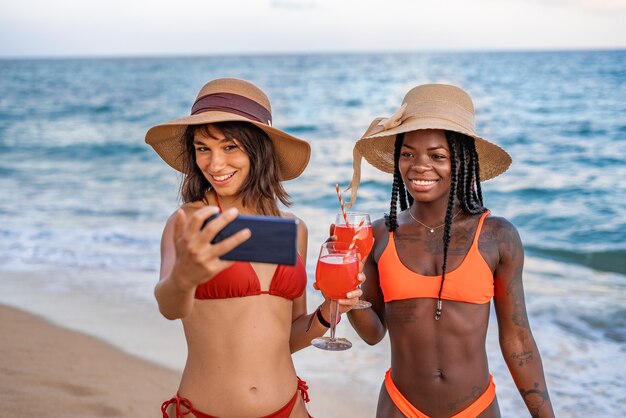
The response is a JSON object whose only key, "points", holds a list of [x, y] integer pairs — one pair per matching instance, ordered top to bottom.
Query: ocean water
{"points": [[79, 189]]}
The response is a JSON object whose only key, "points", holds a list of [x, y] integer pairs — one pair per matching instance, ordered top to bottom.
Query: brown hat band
{"points": [[232, 103]]}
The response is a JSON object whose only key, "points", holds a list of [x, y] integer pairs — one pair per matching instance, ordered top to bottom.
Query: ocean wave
{"points": [[353, 103], [300, 129], [87, 151], [6, 171], [107, 212], [79, 248], [606, 260], [599, 322]]}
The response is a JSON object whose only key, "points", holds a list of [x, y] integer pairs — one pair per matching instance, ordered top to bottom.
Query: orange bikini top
{"points": [[240, 280], [470, 282]]}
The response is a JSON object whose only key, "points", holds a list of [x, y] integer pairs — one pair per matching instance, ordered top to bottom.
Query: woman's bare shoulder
{"points": [[189, 208], [289, 215], [498, 226], [379, 227], [501, 236], [381, 237]]}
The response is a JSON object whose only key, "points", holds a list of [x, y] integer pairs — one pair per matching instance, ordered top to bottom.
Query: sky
{"points": [[60, 28]]}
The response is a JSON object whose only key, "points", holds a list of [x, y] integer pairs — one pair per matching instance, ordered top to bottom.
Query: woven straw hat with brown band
{"points": [[230, 100], [429, 106]]}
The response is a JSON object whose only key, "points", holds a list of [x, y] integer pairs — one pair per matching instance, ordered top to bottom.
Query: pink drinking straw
{"points": [[343, 209]]}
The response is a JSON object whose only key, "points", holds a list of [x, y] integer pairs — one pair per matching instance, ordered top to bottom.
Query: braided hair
{"points": [[464, 186]]}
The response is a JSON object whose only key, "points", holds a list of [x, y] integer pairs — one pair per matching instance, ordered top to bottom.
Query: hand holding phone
{"points": [[192, 259]]}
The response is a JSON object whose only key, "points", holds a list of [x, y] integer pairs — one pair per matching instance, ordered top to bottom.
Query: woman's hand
{"points": [[197, 260], [352, 297], [346, 304]]}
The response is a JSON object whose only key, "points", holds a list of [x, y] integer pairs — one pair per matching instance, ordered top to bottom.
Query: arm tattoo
{"points": [[505, 237], [488, 242], [514, 287], [519, 315], [522, 358], [534, 399]]}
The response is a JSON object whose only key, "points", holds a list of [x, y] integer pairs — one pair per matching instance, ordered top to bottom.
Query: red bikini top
{"points": [[240, 280], [470, 282]]}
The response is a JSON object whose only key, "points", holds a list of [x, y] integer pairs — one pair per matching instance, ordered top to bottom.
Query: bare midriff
{"points": [[239, 361], [439, 366]]}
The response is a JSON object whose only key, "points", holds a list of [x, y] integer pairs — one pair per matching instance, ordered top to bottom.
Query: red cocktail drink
{"points": [[364, 241], [336, 274]]}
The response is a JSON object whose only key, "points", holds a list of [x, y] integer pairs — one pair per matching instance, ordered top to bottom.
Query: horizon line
{"points": [[305, 53]]}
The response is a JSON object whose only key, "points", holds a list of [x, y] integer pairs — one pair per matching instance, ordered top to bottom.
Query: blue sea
{"points": [[80, 190]]}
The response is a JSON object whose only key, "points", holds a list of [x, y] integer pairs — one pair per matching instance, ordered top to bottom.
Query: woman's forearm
{"points": [[175, 301], [368, 325], [306, 328], [524, 362]]}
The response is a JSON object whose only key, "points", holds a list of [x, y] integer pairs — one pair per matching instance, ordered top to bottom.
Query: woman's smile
{"points": [[424, 164], [222, 179], [419, 185]]}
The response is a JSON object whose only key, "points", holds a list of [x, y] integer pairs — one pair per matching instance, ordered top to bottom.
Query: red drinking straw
{"points": [[343, 209]]}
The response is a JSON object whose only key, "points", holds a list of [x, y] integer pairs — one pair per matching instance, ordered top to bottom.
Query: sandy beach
{"points": [[49, 370]]}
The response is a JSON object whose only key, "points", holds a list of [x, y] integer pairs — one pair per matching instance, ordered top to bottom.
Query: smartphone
{"points": [[274, 240]]}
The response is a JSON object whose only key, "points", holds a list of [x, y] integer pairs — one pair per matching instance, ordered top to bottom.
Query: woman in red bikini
{"points": [[439, 261], [241, 320]]}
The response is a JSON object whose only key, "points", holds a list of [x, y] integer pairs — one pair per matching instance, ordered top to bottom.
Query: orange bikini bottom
{"points": [[410, 411]]}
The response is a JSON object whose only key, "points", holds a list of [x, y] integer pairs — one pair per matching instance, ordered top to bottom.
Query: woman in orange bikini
{"points": [[439, 261], [241, 320]]}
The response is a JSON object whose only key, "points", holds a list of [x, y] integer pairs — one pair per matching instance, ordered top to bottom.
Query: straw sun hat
{"points": [[230, 100], [429, 106]]}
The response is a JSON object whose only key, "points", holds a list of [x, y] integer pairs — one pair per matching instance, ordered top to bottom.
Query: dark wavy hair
{"points": [[464, 186], [262, 189]]}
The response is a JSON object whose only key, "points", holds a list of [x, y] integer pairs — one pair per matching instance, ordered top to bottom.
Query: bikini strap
{"points": [[217, 201], [480, 227], [303, 389], [180, 404]]}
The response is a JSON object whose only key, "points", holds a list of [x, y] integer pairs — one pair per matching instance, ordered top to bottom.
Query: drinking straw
{"points": [[343, 209], [357, 231]]}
